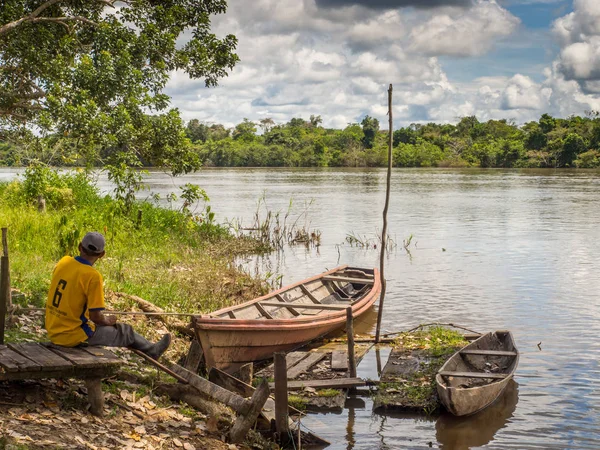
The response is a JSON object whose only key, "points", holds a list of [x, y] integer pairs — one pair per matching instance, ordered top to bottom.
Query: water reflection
{"points": [[463, 433]]}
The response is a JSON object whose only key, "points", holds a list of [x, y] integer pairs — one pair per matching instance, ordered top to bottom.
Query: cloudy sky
{"points": [[446, 59]]}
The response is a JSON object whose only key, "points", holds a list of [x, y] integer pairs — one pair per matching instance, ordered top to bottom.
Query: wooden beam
{"points": [[348, 279], [4, 294], [309, 294], [304, 306], [290, 309], [263, 311], [487, 352], [194, 356], [339, 360], [305, 364], [495, 376], [335, 383], [235, 402], [246, 420]]}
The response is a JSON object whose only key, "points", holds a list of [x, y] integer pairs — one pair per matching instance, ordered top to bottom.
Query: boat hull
{"points": [[227, 343], [464, 396]]}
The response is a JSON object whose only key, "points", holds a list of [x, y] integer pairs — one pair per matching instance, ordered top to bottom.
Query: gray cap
{"points": [[93, 242]]}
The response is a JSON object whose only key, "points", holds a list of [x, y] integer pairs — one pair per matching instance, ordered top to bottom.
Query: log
{"points": [[232, 384], [190, 395], [234, 401], [245, 421]]}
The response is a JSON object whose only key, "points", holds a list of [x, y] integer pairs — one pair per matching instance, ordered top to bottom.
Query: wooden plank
{"points": [[348, 279], [309, 294], [305, 306], [289, 308], [263, 311], [487, 352], [101, 354], [41, 355], [194, 356], [80, 358], [312, 359], [339, 360], [12, 361], [81, 373], [495, 376], [335, 383], [232, 384], [237, 403], [245, 421]]}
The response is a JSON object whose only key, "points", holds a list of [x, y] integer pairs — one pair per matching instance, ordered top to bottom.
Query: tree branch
{"points": [[33, 17]]}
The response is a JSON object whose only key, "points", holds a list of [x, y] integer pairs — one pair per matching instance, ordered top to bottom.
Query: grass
{"points": [[172, 258], [417, 390], [328, 392], [297, 401]]}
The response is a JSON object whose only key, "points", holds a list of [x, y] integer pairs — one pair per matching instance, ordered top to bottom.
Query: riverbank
{"points": [[174, 258]]}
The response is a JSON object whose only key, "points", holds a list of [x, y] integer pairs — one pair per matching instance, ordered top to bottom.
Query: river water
{"points": [[491, 249]]}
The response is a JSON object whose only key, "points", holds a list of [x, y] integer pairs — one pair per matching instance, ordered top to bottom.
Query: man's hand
{"points": [[100, 319]]}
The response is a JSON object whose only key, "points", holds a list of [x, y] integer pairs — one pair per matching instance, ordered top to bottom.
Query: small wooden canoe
{"points": [[286, 318], [477, 374]]}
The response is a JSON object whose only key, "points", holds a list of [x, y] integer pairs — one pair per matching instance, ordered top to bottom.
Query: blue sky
{"points": [[513, 59]]}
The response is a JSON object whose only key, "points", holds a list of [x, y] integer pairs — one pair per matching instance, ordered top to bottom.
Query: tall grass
{"points": [[175, 259]]}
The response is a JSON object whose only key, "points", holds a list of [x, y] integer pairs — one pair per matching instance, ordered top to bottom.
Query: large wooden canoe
{"points": [[286, 318], [477, 374]]}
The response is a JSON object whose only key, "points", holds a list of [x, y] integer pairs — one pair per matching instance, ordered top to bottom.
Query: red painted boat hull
{"points": [[230, 342]]}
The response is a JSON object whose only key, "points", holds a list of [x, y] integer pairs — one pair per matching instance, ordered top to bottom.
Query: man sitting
{"points": [[75, 305]]}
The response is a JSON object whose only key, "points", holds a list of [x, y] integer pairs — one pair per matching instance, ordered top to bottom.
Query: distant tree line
{"points": [[547, 143]]}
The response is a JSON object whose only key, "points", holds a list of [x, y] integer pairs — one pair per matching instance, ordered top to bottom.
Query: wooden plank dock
{"points": [[24, 361]]}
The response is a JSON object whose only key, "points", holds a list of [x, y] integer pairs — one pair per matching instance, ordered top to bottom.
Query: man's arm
{"points": [[98, 317]]}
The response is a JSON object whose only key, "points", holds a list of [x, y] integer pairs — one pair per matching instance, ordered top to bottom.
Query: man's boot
{"points": [[154, 351]]}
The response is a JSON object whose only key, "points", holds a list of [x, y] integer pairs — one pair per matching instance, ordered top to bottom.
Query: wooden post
{"points": [[41, 203], [385, 211], [138, 222], [4, 294], [5, 301], [350, 337], [281, 395], [95, 396], [245, 421]]}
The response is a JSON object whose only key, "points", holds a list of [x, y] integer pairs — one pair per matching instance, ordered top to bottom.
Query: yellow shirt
{"points": [[76, 289]]}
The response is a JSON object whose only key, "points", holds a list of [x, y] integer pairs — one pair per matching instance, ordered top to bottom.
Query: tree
{"points": [[97, 70], [315, 121], [266, 124], [370, 128], [196, 131], [245, 131], [573, 145]]}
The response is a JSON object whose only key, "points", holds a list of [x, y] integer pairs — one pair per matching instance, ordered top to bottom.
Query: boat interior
{"points": [[333, 292], [491, 358]]}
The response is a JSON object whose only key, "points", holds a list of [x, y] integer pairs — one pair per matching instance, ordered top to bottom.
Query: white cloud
{"points": [[468, 32], [298, 59], [522, 92]]}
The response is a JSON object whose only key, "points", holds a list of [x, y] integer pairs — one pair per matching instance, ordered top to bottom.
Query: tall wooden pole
{"points": [[385, 211], [4, 284]]}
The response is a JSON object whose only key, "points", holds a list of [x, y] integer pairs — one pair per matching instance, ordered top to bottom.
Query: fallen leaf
{"points": [[140, 430], [177, 442], [188, 446]]}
